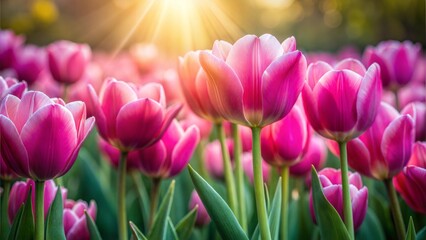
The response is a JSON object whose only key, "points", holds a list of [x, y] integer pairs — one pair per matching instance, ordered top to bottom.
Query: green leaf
{"points": [[267, 198], [220, 213], [274, 214], [54, 222], [15, 224], [330, 224], [186, 225], [159, 227], [371, 227], [25, 229], [93, 230], [171, 231], [411, 231], [136, 232], [421, 234]]}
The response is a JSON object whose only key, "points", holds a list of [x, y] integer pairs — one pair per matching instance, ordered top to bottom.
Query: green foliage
{"points": [[54, 221]]}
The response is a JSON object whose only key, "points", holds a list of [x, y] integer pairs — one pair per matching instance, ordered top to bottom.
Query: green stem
{"points": [[65, 93], [395, 93], [201, 164], [227, 168], [285, 172], [239, 174], [156, 182], [258, 186], [140, 189], [347, 205], [396, 210], [39, 211], [122, 219], [4, 225]]}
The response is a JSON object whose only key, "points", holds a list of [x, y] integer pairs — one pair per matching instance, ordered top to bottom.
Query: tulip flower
{"points": [[9, 44], [68, 60], [397, 61], [30, 62], [11, 86], [417, 110], [315, 155], [213, 158], [331, 182], [410, 183], [19, 194], [203, 217], [75, 223]]}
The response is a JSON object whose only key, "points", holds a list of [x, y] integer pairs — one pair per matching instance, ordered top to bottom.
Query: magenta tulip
{"points": [[9, 44], [68, 60], [397, 61], [30, 62], [258, 81], [11, 86], [341, 103], [417, 110], [130, 118], [41, 137], [284, 142], [112, 155], [315, 155], [169, 156], [410, 183], [332, 188], [19, 194], [203, 217], [75, 223]]}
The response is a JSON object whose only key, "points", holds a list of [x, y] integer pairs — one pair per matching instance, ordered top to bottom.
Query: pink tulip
{"points": [[9, 44], [145, 55], [68, 60], [397, 61], [30, 62], [193, 81], [257, 82], [11, 86], [341, 103], [417, 111], [130, 118], [203, 125], [41, 137], [284, 142], [385, 148], [315, 155], [169, 156], [213, 158], [247, 162], [410, 183], [332, 188], [19, 194], [203, 217], [75, 223]]}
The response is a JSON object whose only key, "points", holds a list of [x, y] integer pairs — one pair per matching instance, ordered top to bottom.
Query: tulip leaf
{"points": [[220, 213], [274, 214], [54, 221], [15, 224], [330, 224], [186, 225], [159, 226], [371, 227], [25, 228], [93, 230], [171, 230], [411, 231], [136, 232], [421, 234]]}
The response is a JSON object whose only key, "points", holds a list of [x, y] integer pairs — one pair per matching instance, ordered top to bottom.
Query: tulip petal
{"points": [[289, 45], [221, 49], [370, 57], [351, 64], [75, 66], [403, 68], [315, 71], [282, 84], [224, 87], [154, 91], [202, 91], [369, 98], [30, 103], [10, 106], [310, 107], [78, 111], [97, 112], [144, 114], [54, 128], [398, 139], [12, 148], [184, 149], [359, 157], [152, 160], [359, 205], [70, 218], [79, 230]]}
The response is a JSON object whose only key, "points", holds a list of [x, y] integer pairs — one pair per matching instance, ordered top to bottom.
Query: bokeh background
{"points": [[177, 26]]}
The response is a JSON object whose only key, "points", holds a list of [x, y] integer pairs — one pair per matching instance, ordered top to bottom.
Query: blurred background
{"points": [[177, 26]]}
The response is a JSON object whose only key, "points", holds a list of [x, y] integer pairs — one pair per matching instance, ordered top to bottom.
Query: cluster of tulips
{"points": [[267, 132]]}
